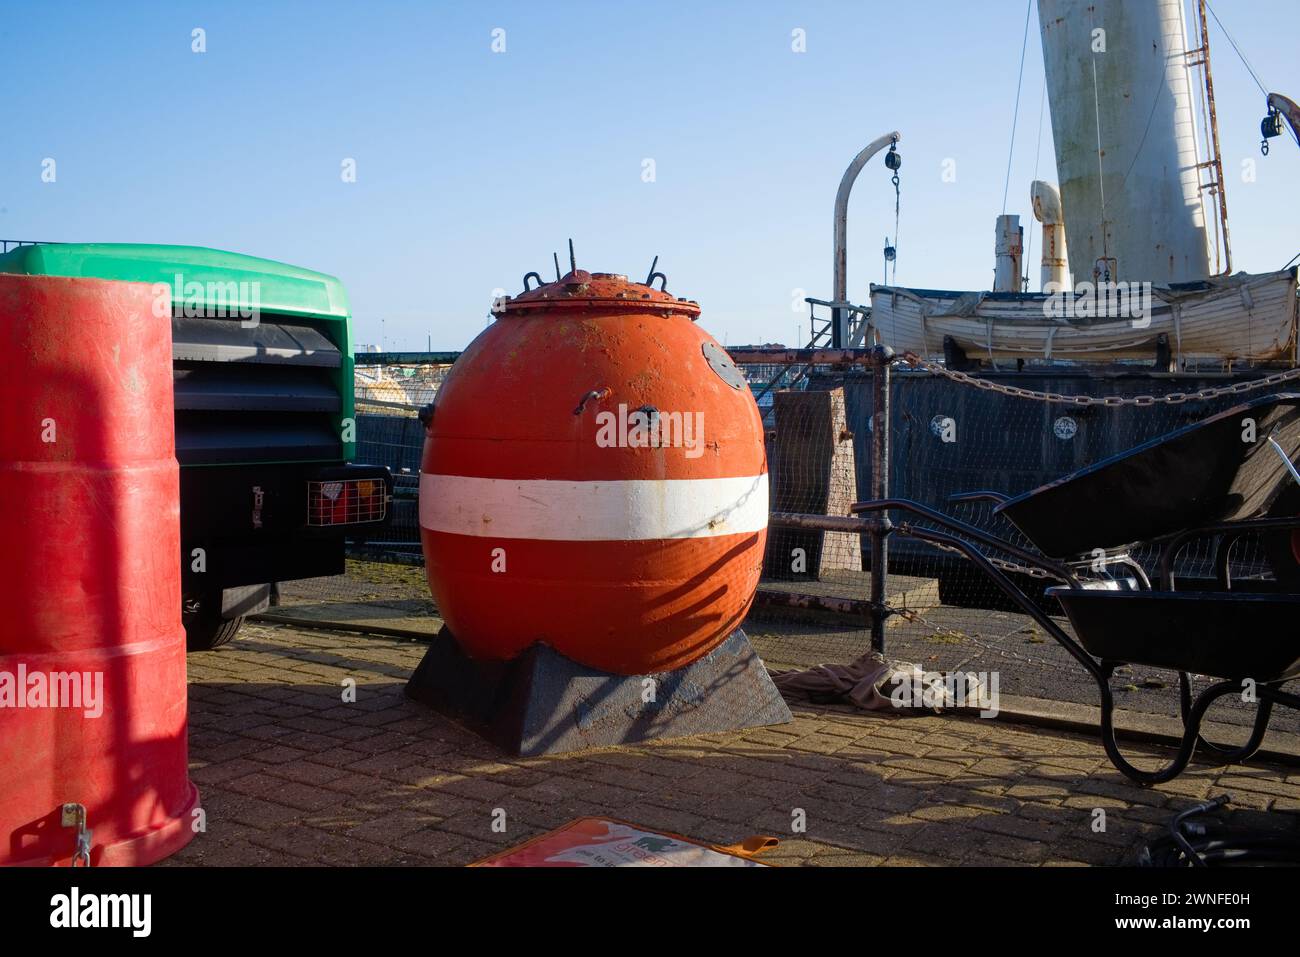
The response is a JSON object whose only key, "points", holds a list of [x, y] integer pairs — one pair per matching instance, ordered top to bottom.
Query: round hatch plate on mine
{"points": [[721, 363]]}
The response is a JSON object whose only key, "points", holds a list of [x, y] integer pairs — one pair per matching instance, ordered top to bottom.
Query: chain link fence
{"points": [[950, 433], [385, 573]]}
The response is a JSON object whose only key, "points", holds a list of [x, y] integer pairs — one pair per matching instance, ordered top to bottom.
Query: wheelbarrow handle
{"points": [[1035, 559]]}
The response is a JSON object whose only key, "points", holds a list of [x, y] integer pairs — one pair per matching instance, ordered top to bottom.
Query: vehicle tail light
{"points": [[346, 502]]}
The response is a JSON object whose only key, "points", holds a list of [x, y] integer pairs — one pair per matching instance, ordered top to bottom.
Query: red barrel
{"points": [[594, 478], [92, 653]]}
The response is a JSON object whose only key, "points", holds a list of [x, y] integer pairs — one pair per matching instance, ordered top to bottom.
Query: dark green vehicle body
{"points": [[263, 389]]}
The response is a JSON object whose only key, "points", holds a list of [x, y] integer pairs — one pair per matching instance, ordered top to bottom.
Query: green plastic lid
{"points": [[198, 277]]}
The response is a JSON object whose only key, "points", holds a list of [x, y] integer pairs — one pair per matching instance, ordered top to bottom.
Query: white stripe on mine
{"points": [[600, 511]]}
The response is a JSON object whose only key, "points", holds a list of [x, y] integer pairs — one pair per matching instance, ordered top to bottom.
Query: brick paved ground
{"points": [[291, 774]]}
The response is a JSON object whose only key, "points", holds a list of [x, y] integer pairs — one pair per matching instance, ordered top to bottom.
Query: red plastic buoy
{"points": [[594, 478], [92, 654]]}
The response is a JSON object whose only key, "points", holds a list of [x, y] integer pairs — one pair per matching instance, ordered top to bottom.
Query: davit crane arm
{"points": [[1279, 108]]}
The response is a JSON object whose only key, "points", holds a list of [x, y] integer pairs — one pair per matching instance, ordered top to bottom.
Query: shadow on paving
{"points": [[942, 638], [1028, 663], [289, 773]]}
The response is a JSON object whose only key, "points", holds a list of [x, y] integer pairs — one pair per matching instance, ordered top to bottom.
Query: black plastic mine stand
{"points": [[545, 703]]}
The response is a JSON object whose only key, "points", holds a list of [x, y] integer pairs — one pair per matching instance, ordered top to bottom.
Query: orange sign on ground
{"points": [[599, 842]]}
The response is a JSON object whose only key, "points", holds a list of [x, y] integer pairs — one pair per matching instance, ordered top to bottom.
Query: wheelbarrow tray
{"points": [[1197, 475], [1231, 635]]}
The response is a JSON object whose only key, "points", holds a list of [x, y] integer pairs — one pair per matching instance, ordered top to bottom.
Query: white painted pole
{"points": [[840, 284]]}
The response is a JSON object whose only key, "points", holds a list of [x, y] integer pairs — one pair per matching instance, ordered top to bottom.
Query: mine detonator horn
{"points": [[653, 275]]}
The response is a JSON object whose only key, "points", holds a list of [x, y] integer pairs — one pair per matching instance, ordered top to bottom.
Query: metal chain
{"points": [[897, 200], [1173, 398], [1000, 563], [1008, 566], [908, 614]]}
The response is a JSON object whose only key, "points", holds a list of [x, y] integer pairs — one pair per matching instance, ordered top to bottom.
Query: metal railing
{"points": [[8, 244]]}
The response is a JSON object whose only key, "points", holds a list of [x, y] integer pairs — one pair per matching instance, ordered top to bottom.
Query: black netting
{"points": [[948, 438]]}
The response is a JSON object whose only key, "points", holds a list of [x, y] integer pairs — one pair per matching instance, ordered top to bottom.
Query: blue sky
{"points": [[473, 166]]}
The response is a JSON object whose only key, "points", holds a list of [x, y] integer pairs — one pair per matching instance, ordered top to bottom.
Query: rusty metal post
{"points": [[1215, 161], [881, 358]]}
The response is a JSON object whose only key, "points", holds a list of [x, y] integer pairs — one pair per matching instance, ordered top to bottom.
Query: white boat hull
{"points": [[1238, 318]]}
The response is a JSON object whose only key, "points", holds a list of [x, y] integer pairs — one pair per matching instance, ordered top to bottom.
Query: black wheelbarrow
{"points": [[1228, 476]]}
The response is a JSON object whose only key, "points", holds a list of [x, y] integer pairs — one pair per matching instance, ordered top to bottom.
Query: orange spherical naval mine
{"points": [[594, 479]]}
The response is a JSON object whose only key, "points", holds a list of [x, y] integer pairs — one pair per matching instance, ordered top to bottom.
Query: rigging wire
{"points": [[1251, 70], [1253, 75], [1042, 104], [1015, 119], [1213, 152], [1038, 153], [1137, 153], [893, 162], [1101, 183], [897, 201]]}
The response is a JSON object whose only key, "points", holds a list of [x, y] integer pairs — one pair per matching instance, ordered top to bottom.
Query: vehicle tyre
{"points": [[205, 633]]}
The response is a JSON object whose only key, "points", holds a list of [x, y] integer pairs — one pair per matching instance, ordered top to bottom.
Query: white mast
{"points": [[1123, 122]]}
